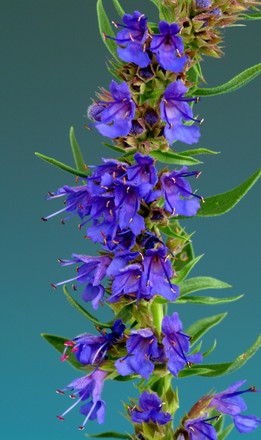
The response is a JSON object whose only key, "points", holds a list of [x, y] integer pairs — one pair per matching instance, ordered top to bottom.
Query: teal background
{"points": [[52, 62]]}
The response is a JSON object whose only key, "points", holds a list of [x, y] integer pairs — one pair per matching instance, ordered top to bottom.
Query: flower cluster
{"points": [[128, 206]]}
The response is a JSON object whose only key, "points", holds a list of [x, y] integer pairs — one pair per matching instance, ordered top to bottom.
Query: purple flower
{"points": [[132, 39], [168, 47], [174, 109], [114, 117], [144, 175], [177, 193], [78, 201], [127, 201], [91, 273], [157, 274], [129, 282], [176, 344], [142, 346], [90, 349], [87, 387], [230, 402], [151, 410], [245, 424], [200, 429]]}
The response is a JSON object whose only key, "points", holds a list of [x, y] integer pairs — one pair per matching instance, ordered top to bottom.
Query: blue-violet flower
{"points": [[174, 109], [151, 410]]}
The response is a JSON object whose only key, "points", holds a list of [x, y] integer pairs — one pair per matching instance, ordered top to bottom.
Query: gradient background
{"points": [[52, 62]]}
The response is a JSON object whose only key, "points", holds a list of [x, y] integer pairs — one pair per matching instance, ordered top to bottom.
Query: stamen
{"points": [[115, 24], [60, 392]]}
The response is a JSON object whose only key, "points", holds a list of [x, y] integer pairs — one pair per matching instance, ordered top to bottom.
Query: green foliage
{"points": [[118, 7], [256, 16], [106, 29], [235, 83], [197, 151], [77, 154], [170, 157], [62, 166], [222, 203], [183, 273], [201, 283], [208, 300], [82, 310], [199, 328], [229, 367], [223, 434]]}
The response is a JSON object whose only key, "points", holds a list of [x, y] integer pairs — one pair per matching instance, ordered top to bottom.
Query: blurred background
{"points": [[53, 61]]}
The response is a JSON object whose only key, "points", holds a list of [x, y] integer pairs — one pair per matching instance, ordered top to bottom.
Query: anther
{"points": [[140, 17], [115, 24], [104, 36], [131, 37], [197, 99], [201, 121], [198, 174], [50, 194], [202, 199], [44, 219], [131, 219], [62, 222], [53, 286], [73, 287], [69, 343], [64, 357], [253, 388], [59, 392], [72, 396], [60, 417], [81, 428]]}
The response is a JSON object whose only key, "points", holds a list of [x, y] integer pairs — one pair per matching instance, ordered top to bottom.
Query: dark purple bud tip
{"points": [[60, 417]]}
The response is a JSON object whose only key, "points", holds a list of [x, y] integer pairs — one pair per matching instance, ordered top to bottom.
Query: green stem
{"points": [[158, 315]]}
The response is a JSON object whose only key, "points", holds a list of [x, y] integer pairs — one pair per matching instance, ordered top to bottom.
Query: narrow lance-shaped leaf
{"points": [[118, 7], [256, 16], [105, 29], [235, 83], [197, 151], [77, 154], [173, 158], [62, 166], [222, 203], [183, 273], [201, 283], [207, 300], [83, 311], [199, 328], [229, 367], [223, 435]]}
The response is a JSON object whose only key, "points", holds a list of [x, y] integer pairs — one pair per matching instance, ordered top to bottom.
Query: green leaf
{"points": [[118, 7], [256, 16], [106, 29], [235, 83], [113, 147], [197, 151], [77, 155], [173, 158], [62, 166], [222, 203], [183, 273], [201, 283], [207, 300], [82, 310], [199, 328], [58, 343], [210, 350], [229, 367], [195, 370], [109, 434], [223, 435]]}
